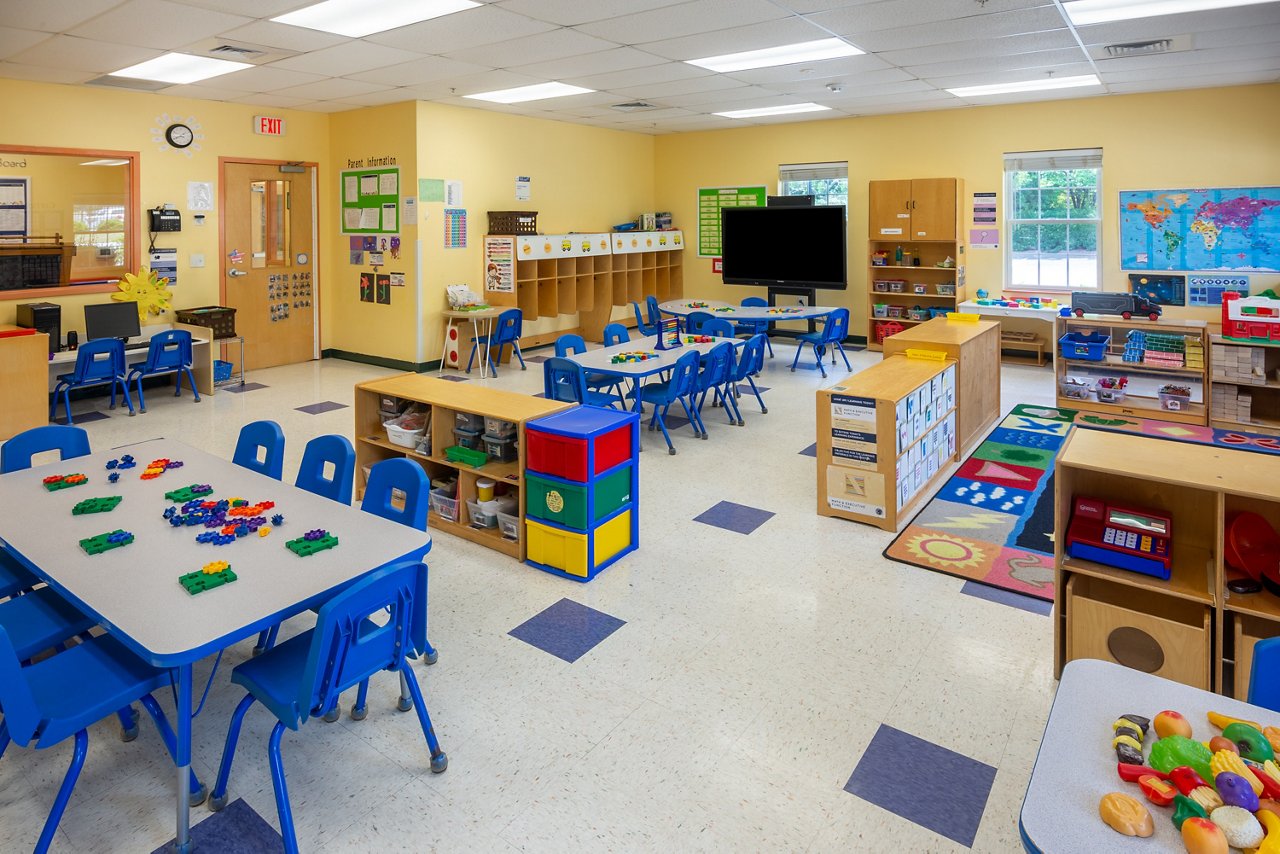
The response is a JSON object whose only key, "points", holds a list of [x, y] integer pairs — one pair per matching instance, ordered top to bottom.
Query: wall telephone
{"points": [[164, 219]]}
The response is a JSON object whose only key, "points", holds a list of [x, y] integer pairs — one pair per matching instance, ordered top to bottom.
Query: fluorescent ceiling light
{"points": [[1084, 12], [356, 18], [785, 54], [180, 68], [1027, 86], [536, 92], [773, 111], [113, 161]]}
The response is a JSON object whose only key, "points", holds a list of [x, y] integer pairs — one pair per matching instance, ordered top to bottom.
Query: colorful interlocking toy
{"points": [[697, 305], [724, 308], [785, 310], [698, 339], [633, 356], [126, 461], [155, 468], [113, 477], [55, 482], [187, 493], [96, 505], [277, 520], [106, 542], [312, 542], [213, 575]]}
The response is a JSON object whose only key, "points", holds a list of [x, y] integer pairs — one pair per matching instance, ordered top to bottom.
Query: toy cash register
{"points": [[1128, 538]]}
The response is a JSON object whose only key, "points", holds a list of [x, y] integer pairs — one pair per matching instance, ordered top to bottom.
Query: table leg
{"points": [[444, 350], [484, 353], [635, 394], [183, 759]]}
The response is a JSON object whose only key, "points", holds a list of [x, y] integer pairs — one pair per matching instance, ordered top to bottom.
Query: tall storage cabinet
{"points": [[582, 490]]}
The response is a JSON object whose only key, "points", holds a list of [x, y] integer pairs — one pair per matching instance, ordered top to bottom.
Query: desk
{"points": [[734, 313], [480, 318], [64, 361], [599, 361], [134, 590], [1076, 765]]}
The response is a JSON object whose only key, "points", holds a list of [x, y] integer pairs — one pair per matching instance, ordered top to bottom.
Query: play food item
{"points": [[1251, 543], [1223, 721], [1137, 722], [1169, 723], [1129, 733], [1273, 736], [1251, 742], [1220, 743], [1169, 753], [1225, 760], [1272, 768], [1133, 773], [1186, 779], [1270, 784], [1235, 791], [1159, 792], [1207, 798], [1268, 805], [1185, 809], [1125, 814], [1271, 824], [1239, 826], [1202, 836]]}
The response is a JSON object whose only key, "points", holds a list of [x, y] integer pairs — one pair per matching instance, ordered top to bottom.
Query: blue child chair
{"points": [[654, 313], [695, 320], [643, 326], [719, 327], [755, 327], [507, 331], [615, 333], [832, 334], [572, 344], [168, 353], [98, 362], [750, 362], [715, 379], [565, 380], [678, 387], [260, 448], [314, 473], [1264, 675], [304, 676], [62, 696]]}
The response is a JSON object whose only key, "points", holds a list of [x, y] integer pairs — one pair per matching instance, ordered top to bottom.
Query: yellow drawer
{"points": [[576, 553]]}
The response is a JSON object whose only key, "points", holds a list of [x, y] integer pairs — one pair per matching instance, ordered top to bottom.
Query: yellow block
{"points": [[961, 317]]}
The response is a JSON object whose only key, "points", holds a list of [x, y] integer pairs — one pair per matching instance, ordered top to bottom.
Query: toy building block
{"points": [[113, 477], [63, 481], [187, 493], [96, 505], [277, 520], [314, 541], [106, 542], [202, 580]]}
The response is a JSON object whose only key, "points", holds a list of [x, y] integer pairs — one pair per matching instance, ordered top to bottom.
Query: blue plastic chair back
{"points": [[755, 302], [651, 307], [696, 320], [643, 326], [837, 326], [508, 327], [719, 327], [615, 333], [570, 343], [168, 351], [751, 359], [98, 361], [716, 366], [683, 377], [563, 380], [264, 435], [16, 454], [316, 458], [406, 476], [347, 648], [1264, 675], [22, 717]]}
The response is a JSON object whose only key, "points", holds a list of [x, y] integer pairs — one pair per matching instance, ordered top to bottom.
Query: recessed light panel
{"points": [[1084, 12], [356, 18], [786, 54], [180, 68], [1027, 86], [529, 93], [785, 109]]}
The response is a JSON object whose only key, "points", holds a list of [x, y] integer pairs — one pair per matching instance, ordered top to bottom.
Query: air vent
{"points": [[1152, 47], [240, 53], [254, 54], [129, 83], [634, 107]]}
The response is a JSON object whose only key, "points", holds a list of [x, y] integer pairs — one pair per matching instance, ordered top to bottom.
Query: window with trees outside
{"points": [[828, 183], [1053, 219], [100, 239]]}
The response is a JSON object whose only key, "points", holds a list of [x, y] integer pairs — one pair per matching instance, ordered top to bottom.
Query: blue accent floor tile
{"points": [[536, 360], [454, 378], [236, 388], [745, 389], [322, 406], [84, 417], [811, 451], [734, 517], [1007, 597], [567, 630], [924, 783], [238, 829]]}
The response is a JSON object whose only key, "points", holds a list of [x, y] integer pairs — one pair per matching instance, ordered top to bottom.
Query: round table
{"points": [[734, 313], [476, 317]]}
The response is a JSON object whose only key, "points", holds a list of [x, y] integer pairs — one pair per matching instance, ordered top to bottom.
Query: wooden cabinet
{"points": [[889, 209], [918, 209], [24, 369], [444, 401], [1190, 628]]}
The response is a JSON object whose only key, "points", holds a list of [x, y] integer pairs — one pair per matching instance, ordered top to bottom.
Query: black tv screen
{"points": [[785, 246]]}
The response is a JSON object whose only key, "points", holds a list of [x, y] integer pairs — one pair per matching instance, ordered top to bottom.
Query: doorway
{"points": [[268, 263]]}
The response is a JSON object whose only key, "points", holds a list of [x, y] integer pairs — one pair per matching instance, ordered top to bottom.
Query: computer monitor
{"points": [[111, 320]]}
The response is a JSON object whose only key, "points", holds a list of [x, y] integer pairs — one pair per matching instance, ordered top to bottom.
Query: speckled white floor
{"points": [[725, 715]]}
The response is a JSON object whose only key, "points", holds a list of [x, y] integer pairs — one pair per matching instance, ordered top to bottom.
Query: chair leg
{"points": [[769, 344], [516, 346], [840, 347], [817, 354], [472, 357], [796, 360], [493, 367], [191, 381], [124, 387], [756, 392], [113, 395], [142, 401], [731, 401], [53, 402], [66, 404], [659, 416], [695, 418], [266, 639], [429, 655], [405, 703], [360, 710], [128, 723], [4, 738], [439, 761], [281, 789], [198, 791], [64, 793], [218, 799]]}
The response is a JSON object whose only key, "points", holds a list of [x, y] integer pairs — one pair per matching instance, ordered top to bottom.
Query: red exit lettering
{"points": [[268, 125]]}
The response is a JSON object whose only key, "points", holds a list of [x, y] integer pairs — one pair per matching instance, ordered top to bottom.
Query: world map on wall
{"points": [[1234, 229]]}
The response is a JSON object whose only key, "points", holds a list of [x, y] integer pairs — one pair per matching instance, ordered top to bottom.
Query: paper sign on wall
{"points": [[524, 190]]}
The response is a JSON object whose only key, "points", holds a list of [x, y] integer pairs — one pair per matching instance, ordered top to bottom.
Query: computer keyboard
{"points": [[141, 345]]}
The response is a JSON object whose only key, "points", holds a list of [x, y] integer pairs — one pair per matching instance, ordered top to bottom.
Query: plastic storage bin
{"points": [[1087, 346], [221, 371], [1075, 388], [1110, 395], [1174, 402], [467, 421], [499, 427], [407, 430], [469, 439], [501, 447], [566, 456], [565, 503], [445, 506], [481, 517], [509, 525], [578, 554]]}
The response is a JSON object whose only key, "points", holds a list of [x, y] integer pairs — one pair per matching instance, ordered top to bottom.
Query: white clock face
{"points": [[179, 135]]}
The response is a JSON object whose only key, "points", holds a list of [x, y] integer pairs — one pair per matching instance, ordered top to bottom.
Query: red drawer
{"points": [[566, 456]]}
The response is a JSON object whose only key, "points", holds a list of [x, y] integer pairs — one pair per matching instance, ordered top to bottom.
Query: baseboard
{"points": [[381, 361]]}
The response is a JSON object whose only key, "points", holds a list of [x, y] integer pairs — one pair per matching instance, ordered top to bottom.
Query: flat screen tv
{"points": [[798, 247]]}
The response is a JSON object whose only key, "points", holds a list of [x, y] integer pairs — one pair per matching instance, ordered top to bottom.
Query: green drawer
{"points": [[566, 503]]}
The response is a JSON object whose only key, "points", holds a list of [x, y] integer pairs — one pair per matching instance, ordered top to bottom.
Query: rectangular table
{"points": [[64, 361], [601, 361], [134, 592], [1076, 765]]}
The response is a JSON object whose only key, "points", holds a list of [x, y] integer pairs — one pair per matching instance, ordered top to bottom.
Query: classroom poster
{"points": [[431, 189], [370, 200], [710, 201], [455, 228], [499, 267], [397, 280], [366, 287], [382, 289], [853, 431], [855, 491]]}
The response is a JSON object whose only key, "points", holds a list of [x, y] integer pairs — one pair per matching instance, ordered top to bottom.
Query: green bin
{"points": [[566, 503]]}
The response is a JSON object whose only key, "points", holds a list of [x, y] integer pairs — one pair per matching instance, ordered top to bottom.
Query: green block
{"points": [[62, 484], [187, 493], [96, 505], [98, 544], [303, 547], [199, 581]]}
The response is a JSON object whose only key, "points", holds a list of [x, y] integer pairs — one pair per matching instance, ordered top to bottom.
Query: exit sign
{"points": [[268, 125]]}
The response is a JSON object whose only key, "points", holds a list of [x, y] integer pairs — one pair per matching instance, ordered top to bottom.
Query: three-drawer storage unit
{"points": [[582, 490]]}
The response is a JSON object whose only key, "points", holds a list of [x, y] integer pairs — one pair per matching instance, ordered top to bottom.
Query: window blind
{"points": [[1038, 161], [813, 171]]}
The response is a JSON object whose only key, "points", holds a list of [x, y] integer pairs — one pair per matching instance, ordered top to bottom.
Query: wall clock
{"points": [[179, 134]]}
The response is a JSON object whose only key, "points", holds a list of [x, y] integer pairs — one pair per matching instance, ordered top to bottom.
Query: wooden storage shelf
{"points": [[1112, 364], [1261, 385], [444, 400], [1199, 487]]}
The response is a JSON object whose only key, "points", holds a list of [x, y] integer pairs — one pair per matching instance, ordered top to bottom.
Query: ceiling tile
{"points": [[805, 7], [249, 8], [568, 13], [892, 14], [53, 16], [699, 16], [1041, 19], [157, 23], [1142, 29], [461, 30], [271, 34], [1229, 38], [738, 39], [16, 41], [541, 47], [978, 48], [83, 54], [350, 58], [1036, 59], [1179, 60], [597, 62], [1260, 65], [849, 67], [422, 70], [44, 73], [1020, 75], [647, 76], [267, 78], [872, 80], [1213, 80], [709, 83], [471, 84], [335, 88], [207, 93], [716, 98], [377, 99], [272, 100], [858, 102], [328, 107], [649, 116]]}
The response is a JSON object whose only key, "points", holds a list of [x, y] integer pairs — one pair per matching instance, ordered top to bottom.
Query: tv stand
{"points": [[810, 295]]}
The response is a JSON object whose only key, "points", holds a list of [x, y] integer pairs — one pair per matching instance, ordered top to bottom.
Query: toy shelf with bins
{"points": [[1245, 378], [1141, 398], [444, 400], [1190, 628]]}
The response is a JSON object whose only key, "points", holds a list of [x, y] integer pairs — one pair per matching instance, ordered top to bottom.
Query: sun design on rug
{"points": [[942, 550]]}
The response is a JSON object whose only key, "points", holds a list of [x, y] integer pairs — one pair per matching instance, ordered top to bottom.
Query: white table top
{"points": [[683, 308], [477, 314], [1045, 314], [68, 357], [600, 360], [134, 589], [1076, 765]]}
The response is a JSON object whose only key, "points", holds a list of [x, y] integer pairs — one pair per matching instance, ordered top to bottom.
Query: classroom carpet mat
{"points": [[992, 521]]}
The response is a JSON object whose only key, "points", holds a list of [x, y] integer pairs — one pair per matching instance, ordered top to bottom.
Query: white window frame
{"points": [[1049, 161], [809, 172]]}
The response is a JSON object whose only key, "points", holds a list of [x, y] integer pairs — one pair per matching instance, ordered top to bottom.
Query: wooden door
{"points": [[933, 209], [890, 210], [268, 262]]}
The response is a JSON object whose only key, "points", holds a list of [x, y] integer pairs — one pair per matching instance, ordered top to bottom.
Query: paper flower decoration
{"points": [[148, 290]]}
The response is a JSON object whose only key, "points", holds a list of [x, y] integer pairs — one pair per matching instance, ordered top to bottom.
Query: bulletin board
{"points": [[15, 199], [370, 200], [710, 201]]}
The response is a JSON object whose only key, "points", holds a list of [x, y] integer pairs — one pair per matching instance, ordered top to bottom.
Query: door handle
{"points": [[235, 274]]}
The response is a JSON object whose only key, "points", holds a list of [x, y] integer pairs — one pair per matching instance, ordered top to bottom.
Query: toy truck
{"points": [[1125, 305], [1255, 318]]}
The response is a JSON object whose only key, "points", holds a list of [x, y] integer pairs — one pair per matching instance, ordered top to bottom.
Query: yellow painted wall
{"points": [[101, 118], [1198, 138], [583, 179]]}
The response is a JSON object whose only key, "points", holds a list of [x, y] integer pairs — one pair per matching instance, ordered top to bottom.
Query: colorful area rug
{"points": [[993, 520]]}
